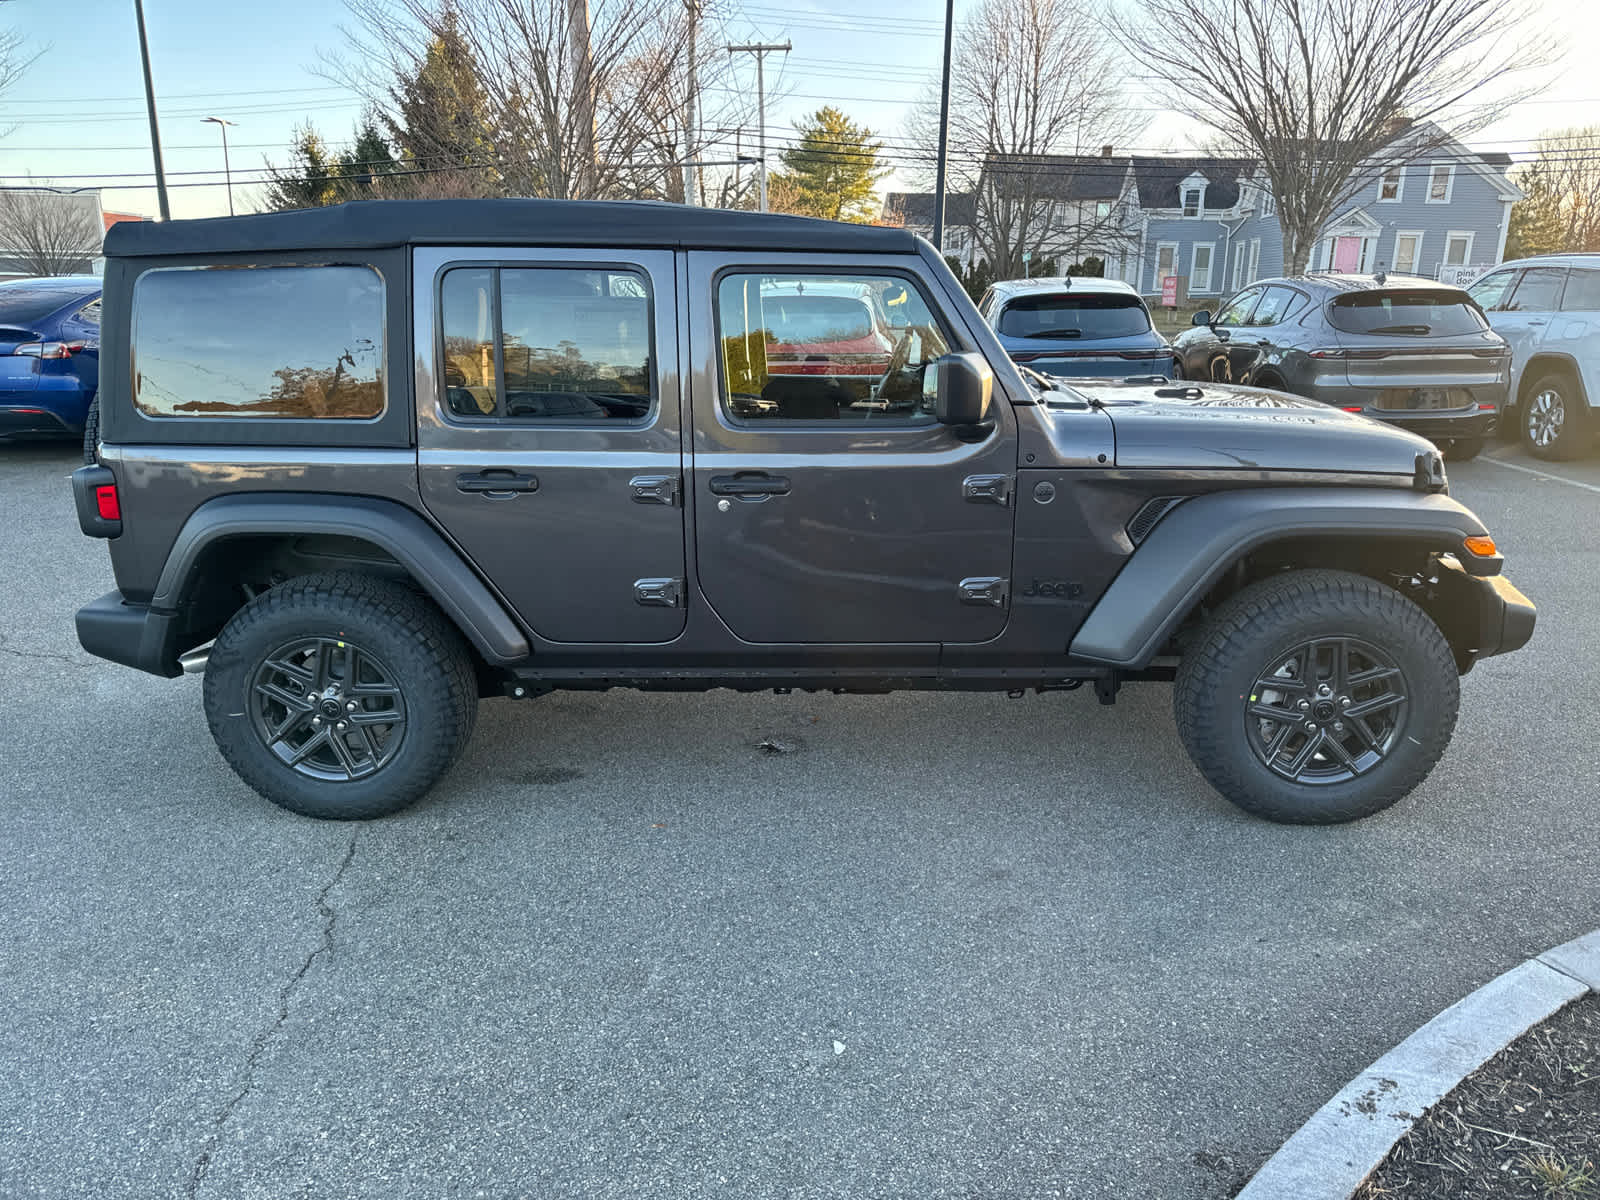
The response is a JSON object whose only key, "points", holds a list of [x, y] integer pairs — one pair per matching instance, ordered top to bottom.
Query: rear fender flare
{"points": [[398, 531], [1198, 541]]}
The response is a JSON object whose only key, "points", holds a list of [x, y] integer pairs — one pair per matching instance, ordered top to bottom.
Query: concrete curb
{"points": [[1330, 1156]]}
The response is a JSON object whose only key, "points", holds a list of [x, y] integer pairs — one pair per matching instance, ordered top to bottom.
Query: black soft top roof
{"points": [[373, 224]]}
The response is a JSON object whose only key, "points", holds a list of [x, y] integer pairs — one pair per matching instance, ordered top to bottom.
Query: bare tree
{"points": [[15, 58], [1032, 78], [1327, 92], [576, 99], [1561, 208], [46, 232]]}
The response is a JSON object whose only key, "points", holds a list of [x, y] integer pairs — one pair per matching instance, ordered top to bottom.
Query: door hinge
{"points": [[656, 489], [990, 489], [984, 590], [658, 593]]}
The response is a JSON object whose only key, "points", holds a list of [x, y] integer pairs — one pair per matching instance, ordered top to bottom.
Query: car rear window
{"points": [[20, 305], [1433, 312], [1082, 316], [799, 320], [298, 342]]}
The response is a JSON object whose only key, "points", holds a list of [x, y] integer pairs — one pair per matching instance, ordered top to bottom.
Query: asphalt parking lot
{"points": [[947, 946]]}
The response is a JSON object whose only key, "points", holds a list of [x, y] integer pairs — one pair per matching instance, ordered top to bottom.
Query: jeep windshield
{"points": [[1088, 315]]}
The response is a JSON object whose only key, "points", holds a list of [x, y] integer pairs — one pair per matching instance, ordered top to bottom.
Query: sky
{"points": [[78, 119]]}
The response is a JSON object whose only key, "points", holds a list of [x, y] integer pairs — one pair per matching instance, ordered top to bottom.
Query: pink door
{"points": [[1347, 255]]}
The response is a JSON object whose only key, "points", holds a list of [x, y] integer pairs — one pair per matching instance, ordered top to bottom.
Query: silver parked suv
{"points": [[1548, 309]]}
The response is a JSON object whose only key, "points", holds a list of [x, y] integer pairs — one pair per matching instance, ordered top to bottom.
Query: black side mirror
{"points": [[1203, 317], [960, 386]]}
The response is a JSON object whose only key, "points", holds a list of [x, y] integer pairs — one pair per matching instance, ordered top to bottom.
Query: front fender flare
{"points": [[393, 528], [1188, 552]]}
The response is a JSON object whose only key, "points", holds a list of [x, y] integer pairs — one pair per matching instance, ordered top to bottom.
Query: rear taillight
{"points": [[48, 349], [1325, 353], [1355, 408], [105, 500]]}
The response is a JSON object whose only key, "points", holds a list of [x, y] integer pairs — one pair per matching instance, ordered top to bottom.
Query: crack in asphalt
{"points": [[50, 655], [258, 1046]]}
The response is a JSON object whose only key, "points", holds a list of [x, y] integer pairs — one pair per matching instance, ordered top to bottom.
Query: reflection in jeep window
{"points": [[259, 342], [573, 344], [825, 347]]}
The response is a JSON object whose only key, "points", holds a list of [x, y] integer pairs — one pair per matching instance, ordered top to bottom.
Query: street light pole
{"points": [[760, 51], [150, 102], [944, 129], [227, 171]]}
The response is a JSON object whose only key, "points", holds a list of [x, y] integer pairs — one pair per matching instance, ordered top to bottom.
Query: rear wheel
{"points": [[1555, 418], [1462, 449], [340, 696], [1316, 697]]}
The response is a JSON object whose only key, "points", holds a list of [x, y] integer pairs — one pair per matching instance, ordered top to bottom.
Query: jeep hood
{"points": [[1217, 426]]}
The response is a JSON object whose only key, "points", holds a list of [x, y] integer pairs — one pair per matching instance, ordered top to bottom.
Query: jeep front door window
{"points": [[830, 507]]}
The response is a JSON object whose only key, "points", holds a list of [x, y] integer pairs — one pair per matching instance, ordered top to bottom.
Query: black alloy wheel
{"points": [[328, 708], [1326, 711]]}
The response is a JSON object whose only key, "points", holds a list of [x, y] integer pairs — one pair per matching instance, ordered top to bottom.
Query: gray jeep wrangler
{"points": [[365, 465]]}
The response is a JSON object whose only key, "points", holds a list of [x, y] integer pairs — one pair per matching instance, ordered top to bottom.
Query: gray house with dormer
{"points": [[1211, 221]]}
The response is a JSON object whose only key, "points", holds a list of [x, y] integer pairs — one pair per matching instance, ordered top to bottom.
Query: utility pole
{"points": [[760, 50], [150, 102], [583, 108], [944, 128], [691, 142], [227, 171]]}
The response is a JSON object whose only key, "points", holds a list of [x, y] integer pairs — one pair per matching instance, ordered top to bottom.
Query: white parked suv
{"points": [[1548, 308]]}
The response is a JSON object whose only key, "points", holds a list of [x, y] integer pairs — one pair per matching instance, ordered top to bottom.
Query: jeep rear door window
{"points": [[1431, 312], [1082, 316], [297, 342], [533, 344], [825, 347]]}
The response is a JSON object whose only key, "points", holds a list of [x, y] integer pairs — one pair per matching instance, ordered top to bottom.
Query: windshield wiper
{"points": [[1419, 330], [1060, 333], [1046, 383]]}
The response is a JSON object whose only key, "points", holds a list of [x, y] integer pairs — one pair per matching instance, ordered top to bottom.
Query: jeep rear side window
{"points": [[287, 342], [537, 344], [825, 348]]}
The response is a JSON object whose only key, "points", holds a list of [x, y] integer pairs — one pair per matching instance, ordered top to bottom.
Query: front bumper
{"points": [[1480, 616], [130, 634]]}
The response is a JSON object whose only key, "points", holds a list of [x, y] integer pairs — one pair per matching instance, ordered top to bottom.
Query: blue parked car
{"points": [[1076, 326], [49, 355]]}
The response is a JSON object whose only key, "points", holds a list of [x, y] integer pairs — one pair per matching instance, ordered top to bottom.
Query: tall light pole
{"points": [[760, 50], [150, 102], [944, 129], [227, 171]]}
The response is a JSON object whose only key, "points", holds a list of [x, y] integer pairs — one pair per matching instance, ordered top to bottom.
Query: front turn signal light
{"points": [[1483, 547]]}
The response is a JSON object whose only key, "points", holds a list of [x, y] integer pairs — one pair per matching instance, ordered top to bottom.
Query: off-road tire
{"points": [[1576, 431], [91, 433], [1462, 449], [1266, 620], [419, 648]]}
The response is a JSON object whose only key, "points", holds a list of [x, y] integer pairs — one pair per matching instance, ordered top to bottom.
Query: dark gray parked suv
{"points": [[1411, 352], [366, 465]]}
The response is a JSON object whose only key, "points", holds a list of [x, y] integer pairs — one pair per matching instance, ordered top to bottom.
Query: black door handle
{"points": [[497, 481], [750, 483]]}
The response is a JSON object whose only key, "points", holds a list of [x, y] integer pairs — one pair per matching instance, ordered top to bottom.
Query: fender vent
{"points": [[1149, 514]]}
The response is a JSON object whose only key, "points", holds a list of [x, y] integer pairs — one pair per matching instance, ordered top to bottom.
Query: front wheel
{"points": [[1555, 418], [340, 696], [1317, 696]]}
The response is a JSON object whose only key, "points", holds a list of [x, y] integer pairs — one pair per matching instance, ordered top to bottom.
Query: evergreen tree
{"points": [[439, 118], [834, 171], [311, 178], [1537, 225]]}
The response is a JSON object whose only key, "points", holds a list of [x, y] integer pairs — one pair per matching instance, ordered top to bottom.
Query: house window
{"points": [[1441, 181], [1393, 185], [1191, 202], [1269, 204], [1102, 209], [1457, 249], [1407, 253], [1255, 260], [1166, 262], [1238, 265], [1200, 267]]}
